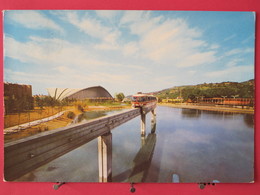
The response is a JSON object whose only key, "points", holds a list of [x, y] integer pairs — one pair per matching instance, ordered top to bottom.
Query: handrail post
{"points": [[105, 157]]}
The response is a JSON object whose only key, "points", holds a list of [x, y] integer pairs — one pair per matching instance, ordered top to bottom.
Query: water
{"points": [[86, 116], [190, 145]]}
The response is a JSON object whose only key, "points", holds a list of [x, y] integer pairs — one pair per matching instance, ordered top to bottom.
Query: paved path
{"points": [[32, 123]]}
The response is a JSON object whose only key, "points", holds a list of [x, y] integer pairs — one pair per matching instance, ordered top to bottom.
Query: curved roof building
{"points": [[96, 92]]}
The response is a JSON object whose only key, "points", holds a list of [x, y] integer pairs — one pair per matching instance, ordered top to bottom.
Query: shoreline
{"points": [[210, 108]]}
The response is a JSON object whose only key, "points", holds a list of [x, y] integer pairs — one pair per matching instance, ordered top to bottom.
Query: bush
{"points": [[80, 108], [71, 115]]}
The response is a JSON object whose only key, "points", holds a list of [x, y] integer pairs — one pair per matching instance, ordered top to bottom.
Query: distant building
{"points": [[92, 93], [17, 97]]}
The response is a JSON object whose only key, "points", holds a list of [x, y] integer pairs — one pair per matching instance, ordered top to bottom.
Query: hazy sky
{"points": [[127, 51]]}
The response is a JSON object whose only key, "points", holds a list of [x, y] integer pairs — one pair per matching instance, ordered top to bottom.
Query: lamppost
{"points": [[234, 96], [202, 98], [224, 99]]}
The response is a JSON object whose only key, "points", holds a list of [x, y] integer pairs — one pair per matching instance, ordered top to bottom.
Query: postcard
{"points": [[129, 96]]}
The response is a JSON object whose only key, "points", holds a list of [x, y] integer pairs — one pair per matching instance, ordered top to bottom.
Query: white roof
{"points": [[61, 93]]}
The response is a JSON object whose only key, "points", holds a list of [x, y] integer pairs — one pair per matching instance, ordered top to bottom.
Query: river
{"points": [[194, 145]]}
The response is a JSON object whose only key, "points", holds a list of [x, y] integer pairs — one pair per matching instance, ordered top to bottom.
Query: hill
{"points": [[209, 90]]}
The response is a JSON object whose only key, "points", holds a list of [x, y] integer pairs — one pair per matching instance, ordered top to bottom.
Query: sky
{"points": [[126, 51]]}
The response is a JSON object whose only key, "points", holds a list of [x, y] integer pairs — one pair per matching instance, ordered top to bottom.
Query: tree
{"points": [[119, 96], [50, 101]]}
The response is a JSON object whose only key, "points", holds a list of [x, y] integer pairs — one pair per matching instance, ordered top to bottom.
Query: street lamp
{"points": [[234, 96], [202, 98], [197, 99], [224, 99]]}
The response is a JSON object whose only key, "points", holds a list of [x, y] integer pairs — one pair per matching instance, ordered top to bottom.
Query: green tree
{"points": [[119, 96], [50, 101]]}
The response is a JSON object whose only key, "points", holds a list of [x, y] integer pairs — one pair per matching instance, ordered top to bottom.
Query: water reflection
{"points": [[191, 113], [219, 114], [91, 115], [88, 116], [249, 120], [153, 126], [142, 160], [137, 170]]}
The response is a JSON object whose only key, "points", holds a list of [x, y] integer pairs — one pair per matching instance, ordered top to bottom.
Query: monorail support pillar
{"points": [[153, 116], [153, 121], [143, 124], [105, 157]]}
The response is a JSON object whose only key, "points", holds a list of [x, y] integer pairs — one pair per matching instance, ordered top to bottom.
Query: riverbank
{"points": [[212, 108], [57, 122]]}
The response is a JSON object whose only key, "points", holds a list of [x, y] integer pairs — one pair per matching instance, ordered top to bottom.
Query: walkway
{"points": [[32, 123]]}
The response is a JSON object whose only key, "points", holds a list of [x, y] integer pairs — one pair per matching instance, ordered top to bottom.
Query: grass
{"points": [[14, 119], [50, 125]]}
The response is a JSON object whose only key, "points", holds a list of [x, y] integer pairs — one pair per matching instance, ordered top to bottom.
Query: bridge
{"points": [[27, 154]]}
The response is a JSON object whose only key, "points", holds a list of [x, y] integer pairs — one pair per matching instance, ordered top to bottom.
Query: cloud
{"points": [[108, 14], [134, 16], [32, 19], [88, 25], [93, 27], [230, 37], [248, 39], [167, 41], [175, 44], [106, 46], [214, 46], [131, 48], [40, 50], [239, 51], [54, 52], [234, 52], [198, 58], [234, 62], [69, 65], [64, 70], [192, 72], [233, 73], [62, 77], [108, 77], [39, 81], [166, 81]]}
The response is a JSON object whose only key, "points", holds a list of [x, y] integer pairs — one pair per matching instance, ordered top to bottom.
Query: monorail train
{"points": [[140, 100]]}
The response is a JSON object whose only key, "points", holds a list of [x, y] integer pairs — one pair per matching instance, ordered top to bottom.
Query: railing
{"points": [[27, 154]]}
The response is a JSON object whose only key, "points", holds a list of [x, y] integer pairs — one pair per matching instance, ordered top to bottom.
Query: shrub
{"points": [[80, 108], [71, 115]]}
